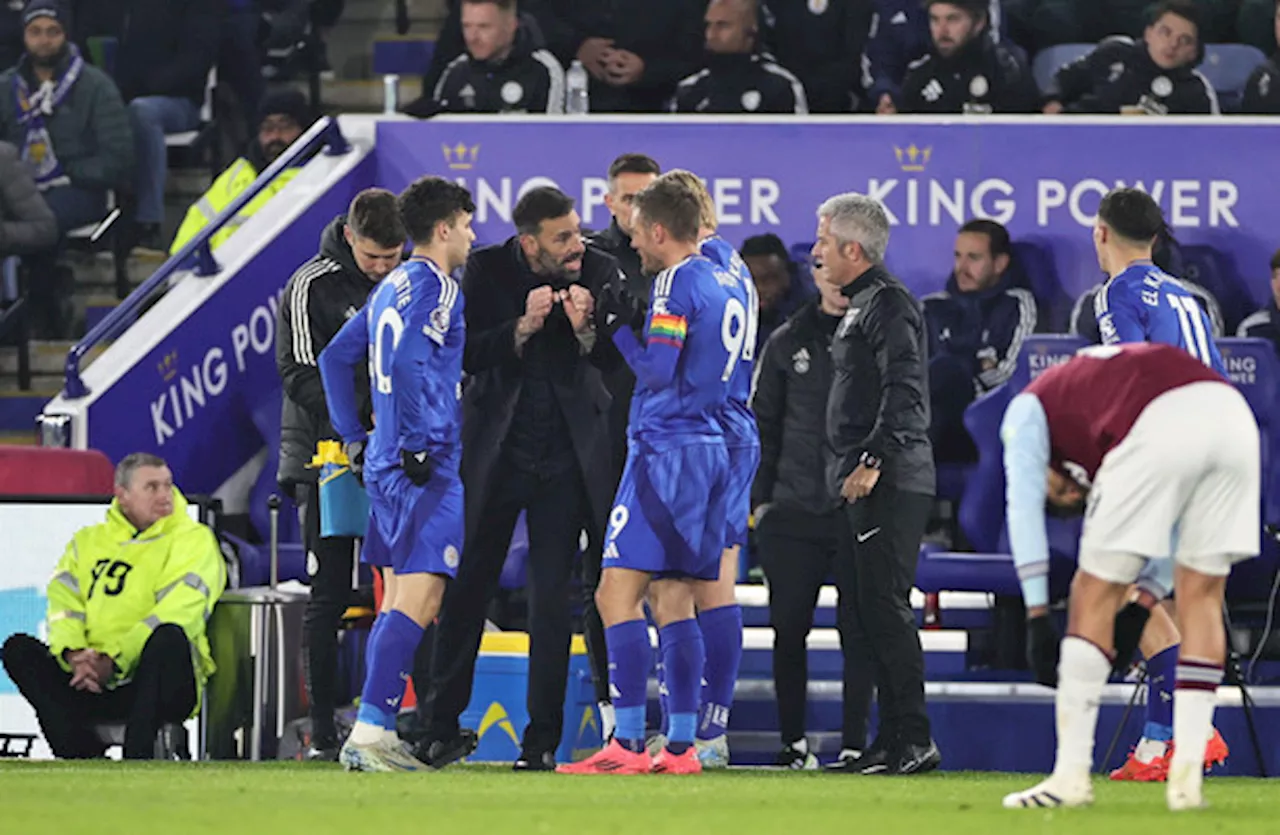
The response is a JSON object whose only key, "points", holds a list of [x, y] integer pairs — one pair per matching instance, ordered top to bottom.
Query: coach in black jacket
{"points": [[357, 250], [535, 437], [882, 467], [798, 519]]}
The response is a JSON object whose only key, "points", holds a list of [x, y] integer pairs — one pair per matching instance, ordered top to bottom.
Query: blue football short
{"points": [[668, 518], [415, 530]]}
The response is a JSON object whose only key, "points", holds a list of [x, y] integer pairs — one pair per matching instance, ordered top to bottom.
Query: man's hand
{"points": [[592, 55], [623, 67], [886, 107], [1052, 108], [537, 306], [578, 306], [617, 309], [355, 458], [417, 466], [859, 484], [1130, 622], [1042, 650], [90, 670]]}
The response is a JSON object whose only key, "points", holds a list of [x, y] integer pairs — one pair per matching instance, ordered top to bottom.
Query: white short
{"points": [[1185, 482]]}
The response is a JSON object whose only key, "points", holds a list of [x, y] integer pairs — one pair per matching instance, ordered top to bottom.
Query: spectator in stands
{"points": [[1042, 23], [900, 36], [822, 43], [634, 50], [165, 51], [503, 70], [966, 71], [738, 76], [1156, 76], [1262, 92], [283, 117], [72, 130], [27, 224], [357, 250], [1167, 256], [780, 287], [1265, 324], [976, 328], [535, 439], [797, 520], [127, 611]]}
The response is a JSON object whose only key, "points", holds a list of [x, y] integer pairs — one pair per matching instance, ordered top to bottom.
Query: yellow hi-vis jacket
{"points": [[230, 184], [115, 584]]}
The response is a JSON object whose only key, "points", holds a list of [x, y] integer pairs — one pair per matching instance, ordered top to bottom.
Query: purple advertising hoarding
{"points": [[1043, 178]]}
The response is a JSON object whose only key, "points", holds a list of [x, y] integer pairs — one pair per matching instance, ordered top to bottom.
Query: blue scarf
{"points": [[37, 147]]}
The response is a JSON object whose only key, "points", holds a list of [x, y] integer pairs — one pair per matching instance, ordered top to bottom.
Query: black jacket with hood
{"points": [[320, 297]]}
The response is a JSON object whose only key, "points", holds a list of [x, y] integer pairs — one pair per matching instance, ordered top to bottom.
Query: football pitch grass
{"points": [[285, 798]]}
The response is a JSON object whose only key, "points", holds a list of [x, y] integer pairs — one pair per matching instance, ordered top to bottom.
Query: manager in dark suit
{"points": [[535, 437]]}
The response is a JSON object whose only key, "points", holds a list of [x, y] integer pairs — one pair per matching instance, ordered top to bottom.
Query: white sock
{"points": [[1082, 671], [1194, 699], [608, 720], [364, 733], [801, 745]]}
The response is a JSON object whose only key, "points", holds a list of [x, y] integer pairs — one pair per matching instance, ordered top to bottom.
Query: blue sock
{"points": [[722, 635], [683, 655], [390, 656], [630, 656], [1161, 677], [664, 726]]}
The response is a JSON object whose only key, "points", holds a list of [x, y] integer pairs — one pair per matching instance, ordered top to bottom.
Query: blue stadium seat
{"points": [[402, 56], [1048, 61], [1227, 66], [1034, 260], [1213, 270], [1254, 368]]}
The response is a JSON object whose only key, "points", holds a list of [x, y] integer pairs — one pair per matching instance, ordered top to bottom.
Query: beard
{"points": [[48, 62], [273, 149]]}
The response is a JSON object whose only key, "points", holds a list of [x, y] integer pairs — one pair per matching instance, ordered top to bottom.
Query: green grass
{"points": [[282, 798]]}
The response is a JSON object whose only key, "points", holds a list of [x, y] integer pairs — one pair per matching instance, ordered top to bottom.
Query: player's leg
{"points": [[1219, 526], [620, 599], [720, 621], [1158, 644], [683, 657], [861, 667], [1083, 668], [1199, 672]]}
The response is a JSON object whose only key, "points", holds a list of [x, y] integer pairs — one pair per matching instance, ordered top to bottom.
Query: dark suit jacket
{"points": [[495, 284]]}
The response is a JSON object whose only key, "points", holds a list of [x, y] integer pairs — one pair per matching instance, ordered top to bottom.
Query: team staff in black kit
{"points": [[881, 465]]}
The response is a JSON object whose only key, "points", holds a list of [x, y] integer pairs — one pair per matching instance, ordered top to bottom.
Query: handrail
{"points": [[324, 133]]}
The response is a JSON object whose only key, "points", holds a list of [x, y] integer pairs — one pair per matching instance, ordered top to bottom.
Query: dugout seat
{"points": [[1048, 61], [1227, 66], [1033, 258], [1212, 269]]}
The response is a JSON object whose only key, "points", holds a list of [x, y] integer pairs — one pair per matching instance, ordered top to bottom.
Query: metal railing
{"points": [[324, 133]]}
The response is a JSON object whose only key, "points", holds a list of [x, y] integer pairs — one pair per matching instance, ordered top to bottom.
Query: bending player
{"points": [[1141, 303], [411, 333], [1155, 441], [666, 531], [719, 615]]}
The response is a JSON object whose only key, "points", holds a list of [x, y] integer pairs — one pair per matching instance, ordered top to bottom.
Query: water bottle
{"points": [[577, 101]]}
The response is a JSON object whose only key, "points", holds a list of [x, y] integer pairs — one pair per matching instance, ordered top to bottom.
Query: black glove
{"points": [[617, 308], [355, 459], [417, 466], [1130, 622], [1042, 650]]}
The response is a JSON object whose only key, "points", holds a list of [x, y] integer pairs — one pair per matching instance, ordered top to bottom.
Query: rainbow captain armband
{"points": [[668, 329], [344, 505]]}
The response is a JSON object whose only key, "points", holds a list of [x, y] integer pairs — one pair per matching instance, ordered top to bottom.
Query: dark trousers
{"points": [[50, 286], [950, 393], [555, 509], [880, 545], [798, 550], [330, 594], [163, 690]]}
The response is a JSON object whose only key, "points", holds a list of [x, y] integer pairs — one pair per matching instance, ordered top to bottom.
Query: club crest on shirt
{"points": [[440, 318], [800, 361], [451, 556]]}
